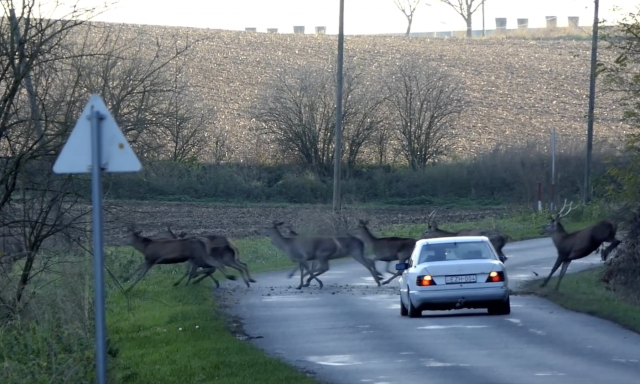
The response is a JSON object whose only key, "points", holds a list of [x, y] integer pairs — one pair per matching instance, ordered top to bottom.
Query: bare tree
{"points": [[408, 8], [466, 9], [65, 60], [425, 104], [297, 110], [363, 115], [184, 129]]}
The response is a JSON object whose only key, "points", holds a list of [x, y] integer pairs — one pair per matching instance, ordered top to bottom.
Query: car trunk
{"points": [[460, 267]]}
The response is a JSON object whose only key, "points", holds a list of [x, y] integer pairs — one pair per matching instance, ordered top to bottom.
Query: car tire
{"points": [[500, 308], [403, 309], [412, 311]]}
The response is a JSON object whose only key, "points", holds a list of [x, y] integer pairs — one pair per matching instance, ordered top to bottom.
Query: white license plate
{"points": [[460, 279]]}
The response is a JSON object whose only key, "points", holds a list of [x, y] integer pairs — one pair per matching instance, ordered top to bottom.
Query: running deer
{"points": [[497, 238], [347, 245], [576, 245], [386, 248], [302, 249], [223, 250], [172, 251]]}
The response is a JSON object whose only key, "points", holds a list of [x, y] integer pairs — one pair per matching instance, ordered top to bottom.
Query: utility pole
{"points": [[483, 30], [592, 100], [337, 157]]}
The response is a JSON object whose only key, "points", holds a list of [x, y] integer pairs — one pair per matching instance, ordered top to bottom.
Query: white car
{"points": [[453, 273]]}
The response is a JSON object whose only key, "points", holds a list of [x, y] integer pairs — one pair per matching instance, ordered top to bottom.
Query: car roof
{"points": [[452, 239]]}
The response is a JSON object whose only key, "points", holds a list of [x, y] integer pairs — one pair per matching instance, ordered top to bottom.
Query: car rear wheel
{"points": [[500, 308], [403, 309], [411, 310]]}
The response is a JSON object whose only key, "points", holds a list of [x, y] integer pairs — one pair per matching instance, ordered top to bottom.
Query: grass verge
{"points": [[585, 292], [169, 334]]}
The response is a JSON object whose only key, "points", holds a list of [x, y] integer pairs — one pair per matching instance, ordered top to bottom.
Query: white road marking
{"points": [[289, 298], [515, 321], [362, 326], [452, 326], [537, 332], [407, 353], [335, 360], [624, 360], [434, 363], [549, 374]]}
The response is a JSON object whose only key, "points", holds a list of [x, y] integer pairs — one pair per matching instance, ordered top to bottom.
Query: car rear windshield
{"points": [[455, 251]]}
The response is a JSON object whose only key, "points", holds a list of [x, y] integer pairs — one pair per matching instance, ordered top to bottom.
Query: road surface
{"points": [[352, 332]]}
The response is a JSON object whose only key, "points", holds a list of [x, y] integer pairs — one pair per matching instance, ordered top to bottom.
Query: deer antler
{"points": [[562, 214], [431, 215]]}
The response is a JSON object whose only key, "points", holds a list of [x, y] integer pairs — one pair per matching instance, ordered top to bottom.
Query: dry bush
{"points": [[622, 274], [52, 339]]}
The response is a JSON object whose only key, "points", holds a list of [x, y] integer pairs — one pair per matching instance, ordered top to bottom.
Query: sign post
{"points": [[97, 144]]}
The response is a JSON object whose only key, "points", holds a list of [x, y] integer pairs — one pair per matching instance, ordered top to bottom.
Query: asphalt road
{"points": [[352, 332]]}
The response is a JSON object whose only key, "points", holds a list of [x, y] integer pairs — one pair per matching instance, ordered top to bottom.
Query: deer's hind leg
{"points": [[235, 265], [324, 267], [143, 268], [246, 270], [553, 270], [563, 270], [207, 272], [183, 276]]}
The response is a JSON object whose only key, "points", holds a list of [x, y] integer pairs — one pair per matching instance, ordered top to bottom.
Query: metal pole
{"points": [[483, 30], [592, 100], [337, 158], [553, 168], [98, 262]]}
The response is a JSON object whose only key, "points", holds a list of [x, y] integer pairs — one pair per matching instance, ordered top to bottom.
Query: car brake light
{"points": [[495, 277], [425, 281]]}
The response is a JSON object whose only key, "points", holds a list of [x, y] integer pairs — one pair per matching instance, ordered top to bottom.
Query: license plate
{"points": [[460, 279]]}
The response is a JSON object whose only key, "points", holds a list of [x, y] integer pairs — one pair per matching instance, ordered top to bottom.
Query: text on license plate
{"points": [[460, 279]]}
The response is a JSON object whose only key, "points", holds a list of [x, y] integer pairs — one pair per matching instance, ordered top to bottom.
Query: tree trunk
{"points": [[409, 21], [469, 27]]}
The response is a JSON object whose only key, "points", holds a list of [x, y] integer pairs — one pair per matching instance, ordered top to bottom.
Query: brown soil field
{"points": [[517, 88], [238, 222]]}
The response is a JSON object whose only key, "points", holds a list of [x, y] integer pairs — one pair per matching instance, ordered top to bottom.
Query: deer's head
{"points": [[554, 220], [432, 226], [272, 229]]}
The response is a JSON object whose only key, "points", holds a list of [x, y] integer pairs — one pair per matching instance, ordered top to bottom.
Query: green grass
{"points": [[519, 227], [585, 292], [145, 324], [169, 334]]}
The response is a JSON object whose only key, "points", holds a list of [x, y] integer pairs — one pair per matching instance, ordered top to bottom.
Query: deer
{"points": [[497, 238], [579, 244], [386, 248], [222, 249], [302, 249], [172, 251], [343, 251]]}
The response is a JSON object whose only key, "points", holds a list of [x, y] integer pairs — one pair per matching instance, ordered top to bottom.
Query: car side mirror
{"points": [[402, 266]]}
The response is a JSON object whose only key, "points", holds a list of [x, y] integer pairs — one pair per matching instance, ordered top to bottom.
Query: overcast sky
{"points": [[361, 16]]}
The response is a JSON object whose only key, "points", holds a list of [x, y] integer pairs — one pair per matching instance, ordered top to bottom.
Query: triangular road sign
{"points": [[117, 155]]}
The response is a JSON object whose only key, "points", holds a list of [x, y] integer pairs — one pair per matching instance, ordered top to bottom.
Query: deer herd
{"points": [[204, 254]]}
